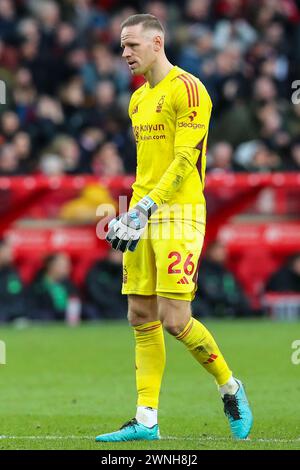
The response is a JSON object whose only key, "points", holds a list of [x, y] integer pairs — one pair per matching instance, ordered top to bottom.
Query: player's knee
{"points": [[141, 311], [174, 314], [136, 317], [173, 326]]}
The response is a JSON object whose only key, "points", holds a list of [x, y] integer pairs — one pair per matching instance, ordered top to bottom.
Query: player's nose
{"points": [[126, 53]]}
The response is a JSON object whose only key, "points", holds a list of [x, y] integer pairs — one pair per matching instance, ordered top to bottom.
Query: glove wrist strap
{"points": [[147, 206]]}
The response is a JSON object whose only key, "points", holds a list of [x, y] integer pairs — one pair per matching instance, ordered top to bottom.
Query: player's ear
{"points": [[157, 43]]}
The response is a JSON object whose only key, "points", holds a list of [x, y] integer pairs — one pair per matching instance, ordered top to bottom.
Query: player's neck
{"points": [[158, 72]]}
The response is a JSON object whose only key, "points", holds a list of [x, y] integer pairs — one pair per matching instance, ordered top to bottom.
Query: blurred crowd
{"points": [[68, 88], [52, 294]]}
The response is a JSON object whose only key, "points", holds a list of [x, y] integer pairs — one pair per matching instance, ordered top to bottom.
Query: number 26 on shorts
{"points": [[188, 265]]}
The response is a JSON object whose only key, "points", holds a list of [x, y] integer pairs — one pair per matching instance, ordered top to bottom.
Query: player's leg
{"points": [[177, 261], [139, 282], [140, 286], [177, 320], [150, 356], [150, 364]]}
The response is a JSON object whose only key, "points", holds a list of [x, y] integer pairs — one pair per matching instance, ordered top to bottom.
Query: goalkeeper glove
{"points": [[126, 229]]}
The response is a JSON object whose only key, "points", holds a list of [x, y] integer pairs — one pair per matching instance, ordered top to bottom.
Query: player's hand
{"points": [[126, 230]]}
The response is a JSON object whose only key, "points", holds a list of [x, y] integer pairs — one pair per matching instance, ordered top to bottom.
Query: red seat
{"points": [[252, 268]]}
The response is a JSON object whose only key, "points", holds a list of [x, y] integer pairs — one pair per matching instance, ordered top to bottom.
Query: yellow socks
{"points": [[203, 347], [150, 357]]}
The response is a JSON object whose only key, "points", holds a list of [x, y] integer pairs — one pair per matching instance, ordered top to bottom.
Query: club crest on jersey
{"points": [[160, 104]]}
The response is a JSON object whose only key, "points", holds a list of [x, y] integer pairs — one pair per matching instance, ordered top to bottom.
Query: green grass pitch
{"points": [[62, 386]]}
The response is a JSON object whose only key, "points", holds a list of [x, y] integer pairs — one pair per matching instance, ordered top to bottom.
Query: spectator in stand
{"points": [[196, 12], [8, 19], [28, 29], [199, 52], [101, 68], [24, 96], [73, 104], [106, 109], [293, 119], [48, 121], [10, 125], [272, 130], [90, 140], [22, 144], [68, 150], [220, 159], [264, 160], [107, 161], [9, 163], [292, 163], [51, 164], [287, 278], [102, 288], [50, 293], [219, 293], [12, 304]]}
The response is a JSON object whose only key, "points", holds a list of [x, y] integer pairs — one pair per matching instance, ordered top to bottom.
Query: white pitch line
{"points": [[48, 438], [167, 438], [228, 439]]}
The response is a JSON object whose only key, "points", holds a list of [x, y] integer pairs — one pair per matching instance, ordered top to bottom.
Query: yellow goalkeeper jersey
{"points": [[170, 123]]}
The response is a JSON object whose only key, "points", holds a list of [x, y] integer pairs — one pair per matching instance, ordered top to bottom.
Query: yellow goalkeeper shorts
{"points": [[165, 261]]}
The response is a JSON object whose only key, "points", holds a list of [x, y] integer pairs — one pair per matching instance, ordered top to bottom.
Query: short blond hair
{"points": [[147, 21]]}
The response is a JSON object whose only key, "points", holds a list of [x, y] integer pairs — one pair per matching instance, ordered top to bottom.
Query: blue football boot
{"points": [[238, 412], [131, 431]]}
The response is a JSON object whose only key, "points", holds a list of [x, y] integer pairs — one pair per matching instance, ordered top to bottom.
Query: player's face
{"points": [[138, 49]]}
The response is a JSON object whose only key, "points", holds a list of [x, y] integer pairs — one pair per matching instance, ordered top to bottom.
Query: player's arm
{"points": [[193, 109], [126, 229]]}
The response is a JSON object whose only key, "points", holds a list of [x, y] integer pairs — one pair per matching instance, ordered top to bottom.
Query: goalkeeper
{"points": [[162, 234]]}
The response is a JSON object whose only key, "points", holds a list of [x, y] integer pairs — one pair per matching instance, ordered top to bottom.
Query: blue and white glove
{"points": [[126, 229]]}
